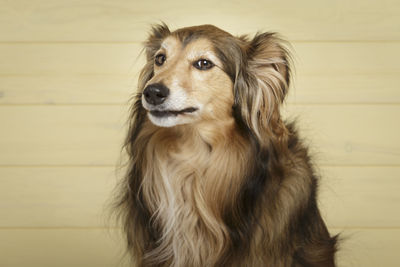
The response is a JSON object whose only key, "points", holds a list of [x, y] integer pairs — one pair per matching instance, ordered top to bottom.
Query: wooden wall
{"points": [[69, 67]]}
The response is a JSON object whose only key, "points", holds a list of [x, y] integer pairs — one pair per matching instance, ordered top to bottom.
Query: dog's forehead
{"points": [[189, 33], [203, 35], [170, 43], [174, 43], [195, 49]]}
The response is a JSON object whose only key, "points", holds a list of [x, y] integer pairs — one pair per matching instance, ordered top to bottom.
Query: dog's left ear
{"points": [[262, 83]]}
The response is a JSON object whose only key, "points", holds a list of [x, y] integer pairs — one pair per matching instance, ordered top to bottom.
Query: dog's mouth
{"points": [[167, 113]]}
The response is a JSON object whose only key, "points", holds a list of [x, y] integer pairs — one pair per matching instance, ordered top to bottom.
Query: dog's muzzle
{"points": [[166, 108]]}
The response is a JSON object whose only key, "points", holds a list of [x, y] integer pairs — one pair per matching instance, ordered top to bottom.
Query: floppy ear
{"points": [[153, 43], [261, 85]]}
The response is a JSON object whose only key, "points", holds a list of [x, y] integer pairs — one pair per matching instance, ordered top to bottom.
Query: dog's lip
{"points": [[165, 113]]}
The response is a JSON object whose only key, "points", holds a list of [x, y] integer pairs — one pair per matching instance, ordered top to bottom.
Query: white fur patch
{"points": [[176, 101], [168, 121]]}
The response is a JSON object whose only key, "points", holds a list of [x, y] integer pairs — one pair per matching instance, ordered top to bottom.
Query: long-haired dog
{"points": [[216, 177]]}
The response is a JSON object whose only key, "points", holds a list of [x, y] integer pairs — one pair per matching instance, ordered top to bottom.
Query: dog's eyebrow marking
{"points": [[169, 43], [164, 45], [198, 54]]}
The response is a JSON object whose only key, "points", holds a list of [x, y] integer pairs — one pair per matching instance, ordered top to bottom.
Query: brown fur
{"points": [[232, 185]]}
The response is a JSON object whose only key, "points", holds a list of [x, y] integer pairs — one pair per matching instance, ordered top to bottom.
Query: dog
{"points": [[216, 177]]}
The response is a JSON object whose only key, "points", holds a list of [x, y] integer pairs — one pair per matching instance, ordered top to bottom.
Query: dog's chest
{"points": [[187, 187], [177, 194]]}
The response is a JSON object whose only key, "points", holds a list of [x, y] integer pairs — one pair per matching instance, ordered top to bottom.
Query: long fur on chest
{"points": [[188, 185]]}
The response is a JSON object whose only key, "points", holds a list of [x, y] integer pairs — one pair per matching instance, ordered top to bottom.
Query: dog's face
{"points": [[204, 74], [188, 83]]}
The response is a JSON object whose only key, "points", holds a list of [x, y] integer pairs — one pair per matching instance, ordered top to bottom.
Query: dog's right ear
{"points": [[153, 43], [261, 84]]}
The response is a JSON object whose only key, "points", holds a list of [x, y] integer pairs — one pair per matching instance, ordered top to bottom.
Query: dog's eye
{"points": [[160, 59], [203, 64]]}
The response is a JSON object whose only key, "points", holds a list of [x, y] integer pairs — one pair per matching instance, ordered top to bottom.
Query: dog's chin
{"points": [[172, 118]]}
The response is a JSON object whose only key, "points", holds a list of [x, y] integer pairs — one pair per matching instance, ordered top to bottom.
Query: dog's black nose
{"points": [[156, 94]]}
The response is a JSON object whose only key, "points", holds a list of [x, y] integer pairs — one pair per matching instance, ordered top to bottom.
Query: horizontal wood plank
{"points": [[120, 20], [310, 58], [53, 59], [107, 73], [380, 88], [67, 89], [349, 134], [59, 135], [92, 135], [81, 196], [56, 197], [353, 197], [91, 247], [368, 247], [61, 248]]}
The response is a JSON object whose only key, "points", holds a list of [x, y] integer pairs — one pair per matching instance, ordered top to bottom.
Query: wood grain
{"points": [[121, 20], [67, 89], [350, 134], [61, 135], [56, 197], [354, 197], [368, 247], [61, 248]]}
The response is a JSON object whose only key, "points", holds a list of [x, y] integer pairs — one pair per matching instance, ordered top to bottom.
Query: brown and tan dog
{"points": [[216, 177]]}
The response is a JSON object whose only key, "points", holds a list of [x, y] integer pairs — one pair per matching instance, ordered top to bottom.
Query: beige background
{"points": [[69, 67]]}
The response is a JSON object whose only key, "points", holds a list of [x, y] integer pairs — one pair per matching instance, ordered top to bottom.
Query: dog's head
{"points": [[202, 73]]}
